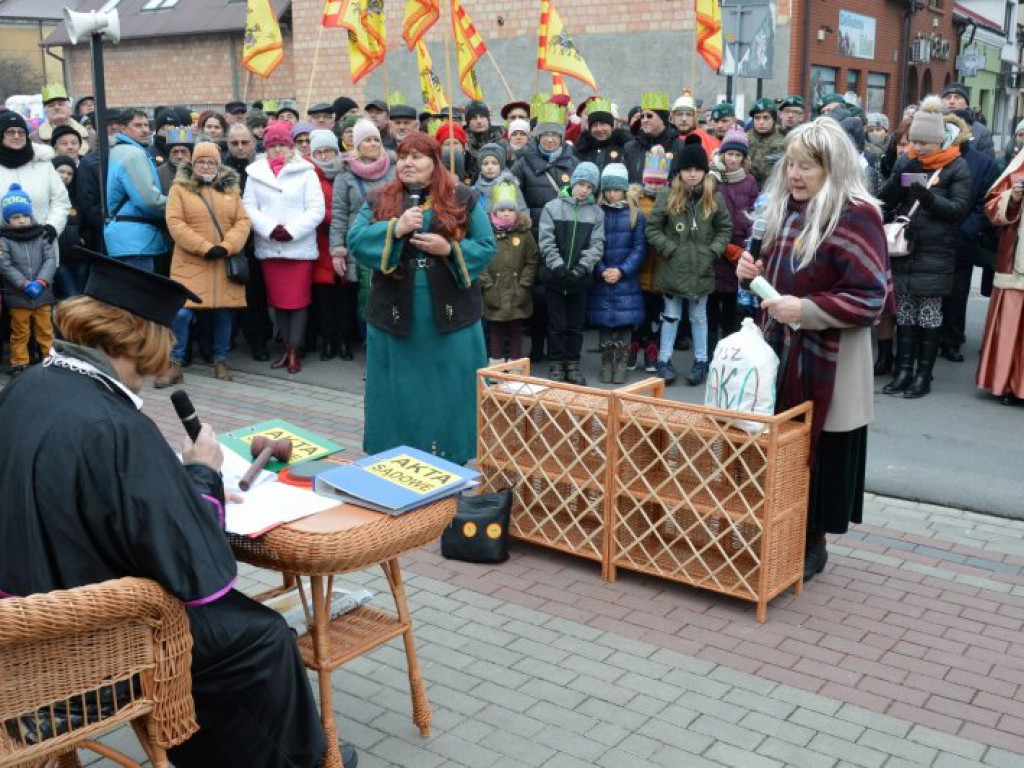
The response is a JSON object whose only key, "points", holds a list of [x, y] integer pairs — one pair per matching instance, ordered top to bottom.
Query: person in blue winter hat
{"points": [[28, 263]]}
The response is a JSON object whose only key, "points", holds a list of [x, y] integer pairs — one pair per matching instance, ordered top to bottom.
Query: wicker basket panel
{"points": [[505, 428], [558, 514], [784, 552], [352, 634]]}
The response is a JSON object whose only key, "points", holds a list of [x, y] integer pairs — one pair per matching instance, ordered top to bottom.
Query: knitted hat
{"points": [[959, 89], [685, 103], [342, 105], [476, 109], [165, 116], [877, 118], [10, 119], [255, 119], [350, 122], [927, 122], [519, 125], [301, 127], [364, 129], [63, 130], [450, 130], [278, 134], [323, 139], [735, 139], [208, 150], [492, 150], [692, 155], [60, 160], [656, 166], [587, 172], [615, 176], [505, 196], [15, 201]]}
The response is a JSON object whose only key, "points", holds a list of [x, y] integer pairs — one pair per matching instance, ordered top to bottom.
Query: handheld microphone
{"points": [[415, 193], [756, 236], [187, 413]]}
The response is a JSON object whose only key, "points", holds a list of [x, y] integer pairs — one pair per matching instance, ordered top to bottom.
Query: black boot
{"points": [[906, 341], [344, 351], [329, 352], [926, 354], [607, 362], [883, 365], [557, 372], [573, 375], [815, 557]]}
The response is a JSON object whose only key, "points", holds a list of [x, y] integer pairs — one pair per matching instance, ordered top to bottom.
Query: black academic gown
{"points": [[91, 491]]}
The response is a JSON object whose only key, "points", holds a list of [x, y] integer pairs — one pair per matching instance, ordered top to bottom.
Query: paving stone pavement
{"points": [[907, 650]]}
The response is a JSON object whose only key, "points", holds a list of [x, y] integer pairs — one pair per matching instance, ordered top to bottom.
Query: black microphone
{"points": [[415, 193], [756, 235], [187, 413]]}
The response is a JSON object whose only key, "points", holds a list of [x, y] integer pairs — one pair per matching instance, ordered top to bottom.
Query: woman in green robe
{"points": [[426, 241]]}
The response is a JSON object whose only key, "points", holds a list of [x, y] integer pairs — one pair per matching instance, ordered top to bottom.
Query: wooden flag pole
{"points": [[693, 54], [312, 73], [448, 84], [511, 96]]}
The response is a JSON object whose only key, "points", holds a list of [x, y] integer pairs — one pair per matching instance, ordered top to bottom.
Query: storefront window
{"points": [[823, 80], [875, 97]]}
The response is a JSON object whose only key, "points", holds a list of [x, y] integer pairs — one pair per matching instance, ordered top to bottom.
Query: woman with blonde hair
{"points": [[824, 251]]}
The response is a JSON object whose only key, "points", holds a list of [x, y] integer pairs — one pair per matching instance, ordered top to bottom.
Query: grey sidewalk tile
{"points": [[527, 615], [572, 629], [531, 631], [491, 636], [626, 644], [585, 648], [536, 650], [639, 664], [592, 668], [499, 674], [558, 674], [742, 680], [460, 681], [687, 681], [650, 687], [602, 690], [556, 694], [506, 697], [806, 700], [464, 703], [720, 709], [778, 710], [605, 712], [560, 717], [874, 720], [515, 723], [827, 725], [771, 726], [725, 732], [608, 734], [677, 737], [945, 742], [577, 745], [640, 746], [899, 747], [461, 750], [525, 751], [847, 751], [400, 752], [792, 755], [673, 757], [740, 758], [1000, 758], [949, 760], [568, 761]]}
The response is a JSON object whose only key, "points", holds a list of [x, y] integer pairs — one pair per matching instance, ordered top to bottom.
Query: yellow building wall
{"points": [[21, 41]]}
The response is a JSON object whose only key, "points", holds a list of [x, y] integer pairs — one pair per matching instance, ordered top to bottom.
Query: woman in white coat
{"points": [[27, 164], [286, 204]]}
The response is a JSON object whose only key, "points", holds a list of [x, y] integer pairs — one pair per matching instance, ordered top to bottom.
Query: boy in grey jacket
{"points": [[571, 241], [27, 265]]}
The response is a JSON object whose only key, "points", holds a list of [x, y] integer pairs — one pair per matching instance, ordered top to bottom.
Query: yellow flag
{"points": [[371, 13], [420, 15], [709, 32], [469, 47], [263, 50], [556, 51], [365, 52], [430, 84], [558, 86]]}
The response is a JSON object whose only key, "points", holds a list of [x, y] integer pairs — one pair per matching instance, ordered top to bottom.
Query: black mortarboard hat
{"points": [[142, 293]]}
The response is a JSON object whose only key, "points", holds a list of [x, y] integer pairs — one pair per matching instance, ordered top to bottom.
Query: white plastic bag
{"points": [[742, 375]]}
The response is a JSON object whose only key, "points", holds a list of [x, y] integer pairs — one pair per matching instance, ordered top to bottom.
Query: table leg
{"points": [[321, 622], [420, 705]]}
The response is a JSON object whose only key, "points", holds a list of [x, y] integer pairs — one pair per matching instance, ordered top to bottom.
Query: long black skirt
{"points": [[837, 481]]}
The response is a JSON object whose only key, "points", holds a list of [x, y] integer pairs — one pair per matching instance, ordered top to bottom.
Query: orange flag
{"points": [[334, 12], [420, 15], [709, 32], [469, 47], [262, 50], [556, 50], [365, 52], [558, 86]]}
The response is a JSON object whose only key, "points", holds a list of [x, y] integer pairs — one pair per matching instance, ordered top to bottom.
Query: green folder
{"points": [[306, 445]]}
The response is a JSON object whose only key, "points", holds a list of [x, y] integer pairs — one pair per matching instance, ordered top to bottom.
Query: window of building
{"points": [[158, 5], [823, 80], [853, 81], [875, 97]]}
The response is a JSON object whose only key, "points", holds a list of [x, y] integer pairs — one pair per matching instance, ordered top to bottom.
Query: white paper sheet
{"points": [[234, 467], [270, 504]]}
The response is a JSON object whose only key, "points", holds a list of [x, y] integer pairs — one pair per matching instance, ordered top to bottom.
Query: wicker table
{"points": [[332, 542]]}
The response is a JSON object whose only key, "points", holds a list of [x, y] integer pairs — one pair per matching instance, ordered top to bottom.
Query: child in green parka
{"points": [[506, 282]]}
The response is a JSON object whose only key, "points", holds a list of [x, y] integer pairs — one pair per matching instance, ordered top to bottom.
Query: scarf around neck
{"points": [[15, 158], [936, 160], [276, 164], [368, 171], [728, 177]]}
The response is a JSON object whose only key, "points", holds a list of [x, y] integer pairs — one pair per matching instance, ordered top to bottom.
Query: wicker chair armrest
{"points": [[94, 606]]}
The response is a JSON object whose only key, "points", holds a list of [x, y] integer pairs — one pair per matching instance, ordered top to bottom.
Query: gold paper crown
{"points": [[53, 91], [395, 98], [536, 101], [654, 101], [599, 104], [270, 106], [550, 113], [433, 124], [504, 195]]}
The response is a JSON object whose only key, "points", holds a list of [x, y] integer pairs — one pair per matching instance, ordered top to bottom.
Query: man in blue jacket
{"points": [[134, 230]]}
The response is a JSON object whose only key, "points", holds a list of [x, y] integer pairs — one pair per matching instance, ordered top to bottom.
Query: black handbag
{"points": [[238, 268], [479, 532]]}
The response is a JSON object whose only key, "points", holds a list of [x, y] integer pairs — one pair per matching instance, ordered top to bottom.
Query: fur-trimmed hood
{"points": [[228, 181], [523, 224]]}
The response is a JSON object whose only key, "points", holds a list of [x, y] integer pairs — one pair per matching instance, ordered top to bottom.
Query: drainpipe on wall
{"points": [[904, 56], [63, 65], [805, 77]]}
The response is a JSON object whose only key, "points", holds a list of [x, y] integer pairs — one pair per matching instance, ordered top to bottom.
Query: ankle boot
{"points": [[906, 342], [344, 351], [927, 351], [282, 361], [294, 361], [607, 361], [883, 365], [620, 370], [557, 372], [573, 375], [171, 376], [815, 557]]}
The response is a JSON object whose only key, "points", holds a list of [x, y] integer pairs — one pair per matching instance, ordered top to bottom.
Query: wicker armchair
{"points": [[76, 664]]}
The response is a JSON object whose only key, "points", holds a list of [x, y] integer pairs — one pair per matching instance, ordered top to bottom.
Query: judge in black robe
{"points": [[92, 491]]}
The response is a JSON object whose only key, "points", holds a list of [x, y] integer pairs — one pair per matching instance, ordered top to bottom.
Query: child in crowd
{"points": [[491, 163], [739, 190], [690, 227], [571, 235], [28, 263], [74, 266], [506, 282], [616, 304], [645, 337]]}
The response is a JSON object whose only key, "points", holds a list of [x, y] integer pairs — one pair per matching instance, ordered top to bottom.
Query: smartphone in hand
{"points": [[906, 179]]}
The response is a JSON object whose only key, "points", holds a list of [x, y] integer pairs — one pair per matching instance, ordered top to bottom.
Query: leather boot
{"points": [[906, 342], [344, 351], [927, 351], [329, 352], [282, 361], [294, 361], [607, 361], [883, 365], [221, 371], [620, 371], [557, 372], [573, 375], [171, 376], [815, 557]]}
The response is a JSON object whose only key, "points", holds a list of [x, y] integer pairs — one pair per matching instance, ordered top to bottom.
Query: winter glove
{"points": [[913, 166], [918, 192], [50, 233], [280, 234], [217, 252], [560, 272], [579, 273], [33, 289]]}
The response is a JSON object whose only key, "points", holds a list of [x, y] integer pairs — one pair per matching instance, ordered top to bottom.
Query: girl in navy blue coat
{"points": [[616, 305]]}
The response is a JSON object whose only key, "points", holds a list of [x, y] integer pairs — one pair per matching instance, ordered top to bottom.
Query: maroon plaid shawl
{"points": [[849, 279]]}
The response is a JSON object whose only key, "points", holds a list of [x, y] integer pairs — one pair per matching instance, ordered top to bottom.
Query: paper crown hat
{"points": [[53, 91], [396, 97], [536, 101], [654, 101], [599, 104], [270, 106], [550, 113], [433, 124], [180, 136], [504, 196]]}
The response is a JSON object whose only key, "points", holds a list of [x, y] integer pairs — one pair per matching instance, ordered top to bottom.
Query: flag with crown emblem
{"points": [[420, 15], [469, 48], [263, 49], [366, 49], [557, 51], [431, 89]]}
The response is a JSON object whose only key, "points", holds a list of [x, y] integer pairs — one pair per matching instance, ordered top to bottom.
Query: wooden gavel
{"points": [[263, 449]]}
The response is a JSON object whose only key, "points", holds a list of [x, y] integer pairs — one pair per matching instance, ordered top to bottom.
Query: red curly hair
{"points": [[390, 200]]}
